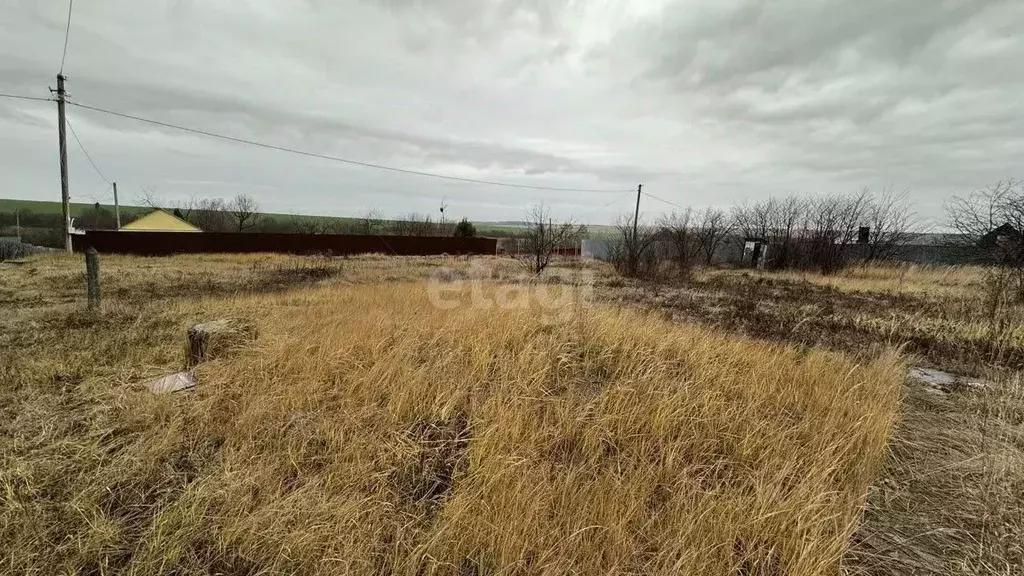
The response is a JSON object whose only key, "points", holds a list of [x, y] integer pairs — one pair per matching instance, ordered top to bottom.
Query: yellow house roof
{"points": [[159, 221]]}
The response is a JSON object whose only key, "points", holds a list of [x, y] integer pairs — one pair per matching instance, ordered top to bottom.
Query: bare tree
{"points": [[148, 196], [244, 211], [208, 214], [786, 217], [890, 219], [752, 220], [992, 220], [780, 222], [370, 223], [833, 223], [414, 224], [316, 225], [401, 226], [713, 226], [677, 229], [543, 237], [634, 252]]}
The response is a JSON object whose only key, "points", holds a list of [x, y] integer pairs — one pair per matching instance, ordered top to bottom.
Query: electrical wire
{"points": [[67, 34], [19, 97], [86, 152], [336, 158], [653, 197], [612, 203]]}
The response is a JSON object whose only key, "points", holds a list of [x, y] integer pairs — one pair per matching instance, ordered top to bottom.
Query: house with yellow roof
{"points": [[159, 221]]}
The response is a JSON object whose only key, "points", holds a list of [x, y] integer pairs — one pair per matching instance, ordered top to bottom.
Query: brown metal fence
{"points": [[168, 243]]}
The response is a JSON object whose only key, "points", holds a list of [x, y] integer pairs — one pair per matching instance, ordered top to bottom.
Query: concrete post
{"points": [[92, 275]]}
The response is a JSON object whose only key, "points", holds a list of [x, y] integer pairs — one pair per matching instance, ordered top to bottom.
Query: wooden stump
{"points": [[199, 337], [210, 339]]}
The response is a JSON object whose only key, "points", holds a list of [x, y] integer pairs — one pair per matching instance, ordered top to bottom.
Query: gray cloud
{"points": [[706, 102]]}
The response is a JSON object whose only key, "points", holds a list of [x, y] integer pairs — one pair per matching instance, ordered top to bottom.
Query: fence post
{"points": [[92, 277]]}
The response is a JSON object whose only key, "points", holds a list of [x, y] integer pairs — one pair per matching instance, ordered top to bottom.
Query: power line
{"points": [[67, 34], [20, 97], [86, 152], [336, 158], [653, 197], [613, 202]]}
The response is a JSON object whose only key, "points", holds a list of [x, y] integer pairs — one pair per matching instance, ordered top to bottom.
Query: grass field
{"points": [[363, 429]]}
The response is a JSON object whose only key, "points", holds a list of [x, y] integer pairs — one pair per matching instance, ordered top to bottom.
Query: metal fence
{"points": [[168, 243]]}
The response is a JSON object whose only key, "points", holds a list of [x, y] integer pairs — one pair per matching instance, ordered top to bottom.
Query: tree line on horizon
{"points": [[239, 214], [799, 231]]}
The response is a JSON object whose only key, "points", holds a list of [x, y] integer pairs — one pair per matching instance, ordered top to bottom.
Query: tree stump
{"points": [[199, 337], [211, 339]]}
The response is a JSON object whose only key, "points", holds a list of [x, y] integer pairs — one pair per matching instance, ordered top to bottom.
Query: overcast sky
{"points": [[707, 102]]}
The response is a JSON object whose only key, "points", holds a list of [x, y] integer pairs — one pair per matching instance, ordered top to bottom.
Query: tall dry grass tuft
{"points": [[899, 278], [366, 432], [951, 499]]}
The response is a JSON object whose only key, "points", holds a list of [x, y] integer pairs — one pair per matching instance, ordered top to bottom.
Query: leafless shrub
{"points": [[209, 214], [891, 219], [992, 219], [778, 222], [370, 223], [833, 223], [414, 224], [317, 225], [712, 227], [678, 230], [814, 233], [543, 237], [16, 250], [634, 252]]}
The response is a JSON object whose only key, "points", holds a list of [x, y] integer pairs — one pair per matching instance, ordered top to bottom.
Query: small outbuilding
{"points": [[755, 252]]}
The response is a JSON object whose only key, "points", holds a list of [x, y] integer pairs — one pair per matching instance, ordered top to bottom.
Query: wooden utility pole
{"points": [[65, 196], [117, 208], [636, 215], [17, 224], [634, 245]]}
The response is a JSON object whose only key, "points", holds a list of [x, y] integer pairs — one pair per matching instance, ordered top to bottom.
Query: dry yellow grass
{"points": [[933, 281], [366, 432], [951, 499]]}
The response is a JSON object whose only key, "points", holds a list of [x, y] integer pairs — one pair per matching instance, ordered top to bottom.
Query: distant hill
{"points": [[43, 207], [78, 208]]}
